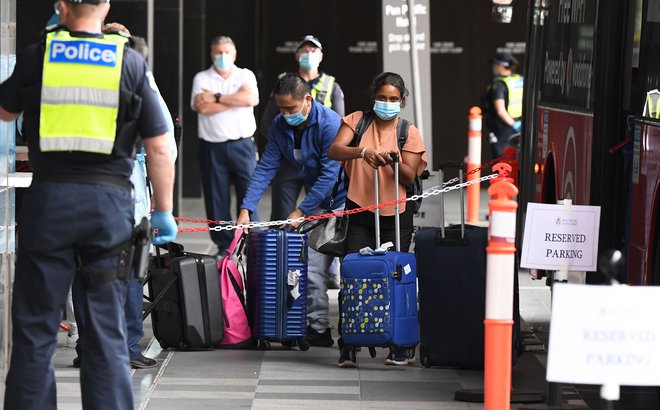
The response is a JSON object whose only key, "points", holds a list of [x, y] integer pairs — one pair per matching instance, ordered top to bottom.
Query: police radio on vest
{"points": [[83, 52]]}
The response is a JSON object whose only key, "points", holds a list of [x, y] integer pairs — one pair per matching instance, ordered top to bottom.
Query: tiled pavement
{"points": [[291, 379]]}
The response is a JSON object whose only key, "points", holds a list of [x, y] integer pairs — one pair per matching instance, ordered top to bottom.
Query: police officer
{"points": [[325, 90], [85, 97], [503, 102]]}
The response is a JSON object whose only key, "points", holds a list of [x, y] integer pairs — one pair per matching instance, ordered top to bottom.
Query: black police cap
{"points": [[309, 39], [504, 58]]}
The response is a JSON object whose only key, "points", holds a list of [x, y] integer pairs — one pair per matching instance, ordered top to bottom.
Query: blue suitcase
{"points": [[378, 294], [274, 311]]}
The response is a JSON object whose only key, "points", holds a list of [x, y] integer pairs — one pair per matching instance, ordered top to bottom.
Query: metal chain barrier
{"points": [[436, 190]]}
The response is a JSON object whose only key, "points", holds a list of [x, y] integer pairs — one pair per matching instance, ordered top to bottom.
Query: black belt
{"points": [[106, 179]]}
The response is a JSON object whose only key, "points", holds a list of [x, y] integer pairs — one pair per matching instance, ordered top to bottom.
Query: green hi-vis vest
{"points": [[514, 83], [322, 90], [80, 93], [652, 106]]}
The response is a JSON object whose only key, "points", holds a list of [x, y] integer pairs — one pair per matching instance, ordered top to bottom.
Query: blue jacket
{"points": [[317, 170]]}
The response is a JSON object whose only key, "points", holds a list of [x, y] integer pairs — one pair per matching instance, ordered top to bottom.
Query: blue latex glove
{"points": [[516, 125], [167, 228]]}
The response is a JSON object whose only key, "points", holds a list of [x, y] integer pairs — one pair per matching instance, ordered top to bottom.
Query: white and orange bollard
{"points": [[474, 162], [499, 290]]}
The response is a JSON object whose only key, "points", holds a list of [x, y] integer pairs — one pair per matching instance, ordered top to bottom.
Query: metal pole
{"points": [[150, 33], [414, 68], [179, 108], [377, 210]]}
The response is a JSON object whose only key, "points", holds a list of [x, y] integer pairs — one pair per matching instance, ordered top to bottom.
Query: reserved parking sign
{"points": [[560, 236], [605, 335]]}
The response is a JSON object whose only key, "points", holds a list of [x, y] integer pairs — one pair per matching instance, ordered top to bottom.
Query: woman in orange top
{"points": [[373, 152]]}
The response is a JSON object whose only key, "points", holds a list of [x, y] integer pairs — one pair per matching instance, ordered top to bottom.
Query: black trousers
{"points": [[362, 229]]}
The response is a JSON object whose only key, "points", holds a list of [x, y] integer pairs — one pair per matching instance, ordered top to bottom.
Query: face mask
{"points": [[309, 61], [223, 62], [496, 72], [387, 110], [297, 118]]}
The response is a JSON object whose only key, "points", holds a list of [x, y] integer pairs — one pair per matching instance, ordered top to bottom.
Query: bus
{"points": [[590, 65]]}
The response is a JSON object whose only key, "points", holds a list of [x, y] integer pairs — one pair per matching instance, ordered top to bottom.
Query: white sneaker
{"points": [[72, 338]]}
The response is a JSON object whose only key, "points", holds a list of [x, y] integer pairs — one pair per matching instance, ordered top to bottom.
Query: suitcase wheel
{"points": [[263, 344], [303, 344], [372, 352], [411, 354], [425, 362]]}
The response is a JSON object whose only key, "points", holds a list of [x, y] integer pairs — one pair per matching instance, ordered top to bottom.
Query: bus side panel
{"points": [[568, 137], [644, 204]]}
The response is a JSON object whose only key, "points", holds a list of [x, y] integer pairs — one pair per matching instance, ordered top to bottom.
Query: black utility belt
{"points": [[105, 179]]}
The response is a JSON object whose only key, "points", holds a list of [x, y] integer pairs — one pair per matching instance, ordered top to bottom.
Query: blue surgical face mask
{"points": [[309, 61], [223, 62], [387, 110], [297, 118]]}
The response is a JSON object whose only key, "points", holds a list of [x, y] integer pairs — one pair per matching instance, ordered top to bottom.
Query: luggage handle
{"points": [[459, 166], [397, 227]]}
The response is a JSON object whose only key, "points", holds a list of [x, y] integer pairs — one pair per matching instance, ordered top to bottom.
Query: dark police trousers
{"points": [[56, 220]]}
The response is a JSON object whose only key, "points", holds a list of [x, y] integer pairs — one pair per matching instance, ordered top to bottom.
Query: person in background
{"points": [[325, 90], [224, 97], [502, 104], [301, 135], [378, 142], [80, 148], [134, 298]]}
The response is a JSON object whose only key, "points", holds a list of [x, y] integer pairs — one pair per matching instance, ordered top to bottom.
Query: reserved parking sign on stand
{"points": [[604, 335]]}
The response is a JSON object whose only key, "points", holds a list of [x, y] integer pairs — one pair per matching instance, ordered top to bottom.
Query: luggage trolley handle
{"points": [[459, 166], [397, 227]]}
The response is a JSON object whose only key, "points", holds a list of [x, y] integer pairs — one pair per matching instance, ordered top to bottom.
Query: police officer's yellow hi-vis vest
{"points": [[514, 83], [322, 90], [80, 92], [652, 106]]}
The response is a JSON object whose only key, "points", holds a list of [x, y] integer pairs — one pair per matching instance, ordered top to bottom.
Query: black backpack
{"points": [[402, 129]]}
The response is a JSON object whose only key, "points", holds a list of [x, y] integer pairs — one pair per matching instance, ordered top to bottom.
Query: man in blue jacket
{"points": [[301, 134]]}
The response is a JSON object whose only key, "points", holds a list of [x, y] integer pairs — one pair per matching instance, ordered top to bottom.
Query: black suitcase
{"points": [[451, 270], [186, 308]]}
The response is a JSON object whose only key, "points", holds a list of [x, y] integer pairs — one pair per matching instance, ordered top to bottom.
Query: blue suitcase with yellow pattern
{"points": [[378, 294], [379, 300]]}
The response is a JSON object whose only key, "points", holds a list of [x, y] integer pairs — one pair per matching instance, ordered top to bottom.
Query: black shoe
{"points": [[319, 339], [347, 357], [398, 357], [76, 362], [143, 363]]}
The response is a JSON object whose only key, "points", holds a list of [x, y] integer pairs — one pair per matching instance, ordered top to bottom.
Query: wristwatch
{"points": [[217, 97]]}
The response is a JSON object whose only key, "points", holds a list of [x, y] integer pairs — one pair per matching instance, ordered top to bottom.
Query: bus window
{"points": [[569, 44]]}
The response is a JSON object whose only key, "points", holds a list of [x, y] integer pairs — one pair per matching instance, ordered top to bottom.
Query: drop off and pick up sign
{"points": [[561, 237]]}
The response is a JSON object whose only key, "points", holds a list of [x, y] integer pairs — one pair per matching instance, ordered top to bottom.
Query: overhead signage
{"points": [[396, 58], [560, 237], [604, 335]]}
